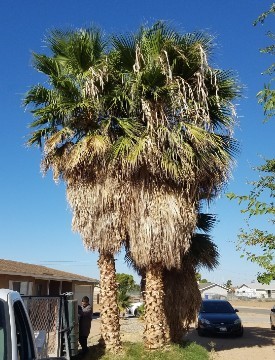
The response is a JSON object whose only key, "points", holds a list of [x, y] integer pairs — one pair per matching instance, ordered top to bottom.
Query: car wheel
{"points": [[136, 313], [272, 326], [200, 332], [240, 334]]}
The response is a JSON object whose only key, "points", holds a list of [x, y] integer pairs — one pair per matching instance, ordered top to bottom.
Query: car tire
{"points": [[272, 326], [200, 332], [240, 334]]}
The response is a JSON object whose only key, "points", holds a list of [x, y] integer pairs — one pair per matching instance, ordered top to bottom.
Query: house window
{"points": [[16, 286], [23, 287], [39, 289]]}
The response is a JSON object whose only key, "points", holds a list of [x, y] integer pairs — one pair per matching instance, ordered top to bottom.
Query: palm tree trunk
{"points": [[181, 301], [110, 328], [154, 331]]}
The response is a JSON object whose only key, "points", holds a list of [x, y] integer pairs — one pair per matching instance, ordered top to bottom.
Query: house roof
{"points": [[40, 272], [208, 285], [258, 286]]}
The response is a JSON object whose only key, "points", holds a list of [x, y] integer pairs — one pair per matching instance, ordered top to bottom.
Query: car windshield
{"points": [[217, 307]]}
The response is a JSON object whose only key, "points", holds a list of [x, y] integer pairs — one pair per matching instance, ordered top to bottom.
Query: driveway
{"points": [[258, 341]]}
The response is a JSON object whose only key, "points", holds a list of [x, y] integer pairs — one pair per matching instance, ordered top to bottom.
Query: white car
{"points": [[132, 309], [272, 318]]}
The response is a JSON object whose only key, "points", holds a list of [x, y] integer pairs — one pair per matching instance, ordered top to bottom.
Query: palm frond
{"points": [[47, 65], [205, 222], [203, 252]]}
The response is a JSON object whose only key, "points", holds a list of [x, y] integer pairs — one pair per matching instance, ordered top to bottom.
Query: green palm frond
{"points": [[187, 41], [57, 42], [78, 50], [125, 51], [47, 65], [131, 128], [37, 136], [121, 148], [205, 222], [203, 252]]}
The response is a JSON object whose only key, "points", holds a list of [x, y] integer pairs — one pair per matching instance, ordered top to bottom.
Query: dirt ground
{"points": [[261, 304], [257, 343]]}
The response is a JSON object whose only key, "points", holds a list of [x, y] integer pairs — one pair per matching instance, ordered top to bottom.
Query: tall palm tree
{"points": [[73, 124], [185, 150]]}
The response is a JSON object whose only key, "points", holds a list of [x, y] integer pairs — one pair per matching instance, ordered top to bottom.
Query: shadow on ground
{"points": [[253, 336], [95, 353]]}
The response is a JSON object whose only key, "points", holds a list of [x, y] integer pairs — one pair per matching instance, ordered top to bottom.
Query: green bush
{"points": [[140, 311]]}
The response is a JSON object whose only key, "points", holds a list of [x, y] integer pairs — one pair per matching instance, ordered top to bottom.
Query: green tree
{"points": [[266, 96], [260, 200], [256, 205], [198, 276], [125, 281], [204, 281], [126, 284], [228, 284]]}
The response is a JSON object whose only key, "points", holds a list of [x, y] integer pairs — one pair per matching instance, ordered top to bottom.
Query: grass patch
{"points": [[136, 351]]}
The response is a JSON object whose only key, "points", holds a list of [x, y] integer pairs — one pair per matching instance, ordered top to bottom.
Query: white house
{"points": [[256, 290], [213, 291]]}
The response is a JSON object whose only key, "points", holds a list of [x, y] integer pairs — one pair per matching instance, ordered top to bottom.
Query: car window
{"points": [[217, 307], [24, 337]]}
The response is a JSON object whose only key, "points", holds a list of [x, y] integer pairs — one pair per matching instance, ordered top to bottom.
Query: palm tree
{"points": [[73, 124], [185, 150], [181, 288], [182, 297]]}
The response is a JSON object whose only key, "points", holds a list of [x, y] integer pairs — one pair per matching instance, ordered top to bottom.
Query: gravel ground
{"points": [[131, 329]]}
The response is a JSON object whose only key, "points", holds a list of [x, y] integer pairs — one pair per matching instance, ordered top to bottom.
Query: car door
{"points": [[24, 337]]}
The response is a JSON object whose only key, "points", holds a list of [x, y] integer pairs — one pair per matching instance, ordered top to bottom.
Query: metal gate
{"points": [[56, 318]]}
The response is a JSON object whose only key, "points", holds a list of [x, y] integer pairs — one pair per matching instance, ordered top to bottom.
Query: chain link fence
{"points": [[45, 315], [56, 318]]}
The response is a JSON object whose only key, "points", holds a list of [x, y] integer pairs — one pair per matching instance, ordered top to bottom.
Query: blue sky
{"points": [[35, 220]]}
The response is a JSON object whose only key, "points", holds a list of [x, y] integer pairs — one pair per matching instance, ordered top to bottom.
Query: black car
{"points": [[218, 317]]}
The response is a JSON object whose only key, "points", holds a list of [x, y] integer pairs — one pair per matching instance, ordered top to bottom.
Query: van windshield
{"points": [[3, 337]]}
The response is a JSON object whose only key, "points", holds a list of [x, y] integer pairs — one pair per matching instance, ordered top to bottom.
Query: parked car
{"points": [[133, 308], [218, 317], [272, 318]]}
